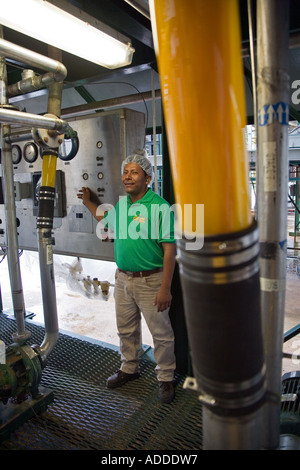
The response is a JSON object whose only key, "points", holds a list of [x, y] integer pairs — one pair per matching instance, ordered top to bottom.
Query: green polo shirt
{"points": [[139, 229]]}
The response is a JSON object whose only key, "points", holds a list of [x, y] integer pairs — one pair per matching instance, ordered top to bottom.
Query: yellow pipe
{"points": [[198, 48], [49, 170]]}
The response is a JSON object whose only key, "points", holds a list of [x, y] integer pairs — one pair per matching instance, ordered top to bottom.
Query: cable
{"points": [[129, 84]]}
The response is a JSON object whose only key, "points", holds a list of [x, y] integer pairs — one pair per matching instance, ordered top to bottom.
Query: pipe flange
{"points": [[46, 138], [20, 339]]}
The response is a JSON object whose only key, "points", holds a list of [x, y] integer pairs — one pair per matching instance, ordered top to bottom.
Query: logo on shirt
{"points": [[140, 219], [155, 222]]}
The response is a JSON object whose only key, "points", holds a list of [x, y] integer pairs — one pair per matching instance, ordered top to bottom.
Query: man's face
{"points": [[134, 179]]}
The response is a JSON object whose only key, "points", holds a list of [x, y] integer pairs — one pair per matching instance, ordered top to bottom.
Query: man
{"points": [[143, 227]]}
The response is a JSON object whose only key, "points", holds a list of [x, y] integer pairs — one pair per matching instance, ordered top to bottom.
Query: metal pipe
{"points": [[140, 8], [294, 42], [8, 49], [252, 57], [56, 70], [32, 82], [27, 85], [109, 103], [86, 108], [33, 120], [154, 132], [19, 137], [272, 161], [47, 190], [11, 221], [45, 225], [12, 242], [45, 247], [32, 359]]}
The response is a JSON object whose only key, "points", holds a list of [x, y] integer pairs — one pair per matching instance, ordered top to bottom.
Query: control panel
{"points": [[94, 160]]}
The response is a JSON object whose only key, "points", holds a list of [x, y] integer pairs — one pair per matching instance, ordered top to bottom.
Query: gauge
{"points": [[68, 149], [30, 152], [16, 154]]}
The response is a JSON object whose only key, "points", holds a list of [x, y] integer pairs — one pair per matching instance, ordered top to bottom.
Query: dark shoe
{"points": [[120, 378], [166, 391]]}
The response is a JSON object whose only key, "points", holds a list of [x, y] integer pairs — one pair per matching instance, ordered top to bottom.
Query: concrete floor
{"points": [[83, 313]]}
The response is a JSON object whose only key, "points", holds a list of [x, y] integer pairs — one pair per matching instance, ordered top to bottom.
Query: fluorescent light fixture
{"points": [[60, 24]]}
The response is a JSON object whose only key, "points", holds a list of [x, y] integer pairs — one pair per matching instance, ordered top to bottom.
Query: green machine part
{"points": [[20, 374]]}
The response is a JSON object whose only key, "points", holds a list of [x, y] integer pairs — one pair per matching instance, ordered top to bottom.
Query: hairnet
{"points": [[139, 157]]}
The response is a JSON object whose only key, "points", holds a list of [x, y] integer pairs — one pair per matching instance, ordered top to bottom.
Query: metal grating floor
{"points": [[85, 415]]}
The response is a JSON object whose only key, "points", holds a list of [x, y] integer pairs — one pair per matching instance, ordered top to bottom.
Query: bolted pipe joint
{"points": [[46, 207], [221, 293]]}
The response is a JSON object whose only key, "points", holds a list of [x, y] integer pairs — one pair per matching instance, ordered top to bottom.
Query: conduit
{"points": [[198, 47], [272, 162]]}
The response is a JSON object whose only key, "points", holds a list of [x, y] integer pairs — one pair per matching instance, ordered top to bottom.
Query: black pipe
{"points": [[46, 207], [221, 294]]}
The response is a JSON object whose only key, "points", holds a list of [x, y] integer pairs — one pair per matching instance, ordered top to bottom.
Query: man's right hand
{"points": [[84, 194]]}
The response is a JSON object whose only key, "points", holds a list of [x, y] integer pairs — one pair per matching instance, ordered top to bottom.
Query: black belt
{"points": [[141, 273]]}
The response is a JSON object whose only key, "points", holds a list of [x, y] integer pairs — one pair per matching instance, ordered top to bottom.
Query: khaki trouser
{"points": [[134, 295]]}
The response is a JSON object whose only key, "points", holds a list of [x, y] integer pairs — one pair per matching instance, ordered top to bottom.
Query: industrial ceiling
{"points": [[87, 83]]}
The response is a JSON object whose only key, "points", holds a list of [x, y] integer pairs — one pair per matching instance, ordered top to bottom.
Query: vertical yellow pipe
{"points": [[199, 58], [49, 170]]}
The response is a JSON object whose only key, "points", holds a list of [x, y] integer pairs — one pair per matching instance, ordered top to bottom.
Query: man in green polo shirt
{"points": [[143, 230]]}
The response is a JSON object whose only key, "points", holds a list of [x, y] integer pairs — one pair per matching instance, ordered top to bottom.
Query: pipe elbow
{"points": [[61, 72], [47, 346]]}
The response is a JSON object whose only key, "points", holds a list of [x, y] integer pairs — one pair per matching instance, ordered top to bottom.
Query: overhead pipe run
{"points": [[8, 49], [57, 72], [220, 280]]}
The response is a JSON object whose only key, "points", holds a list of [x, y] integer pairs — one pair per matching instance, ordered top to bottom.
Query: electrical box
{"points": [[105, 139]]}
